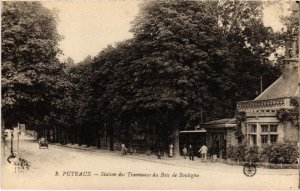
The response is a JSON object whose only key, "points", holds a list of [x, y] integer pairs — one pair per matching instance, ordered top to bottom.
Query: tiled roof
{"points": [[284, 86], [221, 121]]}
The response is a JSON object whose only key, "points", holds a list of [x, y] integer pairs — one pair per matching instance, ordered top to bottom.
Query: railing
{"points": [[271, 103]]}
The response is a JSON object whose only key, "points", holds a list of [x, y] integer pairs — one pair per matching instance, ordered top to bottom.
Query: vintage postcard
{"points": [[165, 95]]}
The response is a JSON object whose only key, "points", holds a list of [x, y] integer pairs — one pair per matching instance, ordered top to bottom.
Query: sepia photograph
{"points": [[150, 95]]}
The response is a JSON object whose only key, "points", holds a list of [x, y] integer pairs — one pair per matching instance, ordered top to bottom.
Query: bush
{"points": [[236, 152], [243, 153], [286, 153], [252, 154]]}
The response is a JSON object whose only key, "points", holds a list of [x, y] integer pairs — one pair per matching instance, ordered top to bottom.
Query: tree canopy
{"points": [[185, 58], [186, 61], [30, 65]]}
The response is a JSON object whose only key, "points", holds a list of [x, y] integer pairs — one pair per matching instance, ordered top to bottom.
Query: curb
{"points": [[159, 161], [264, 165]]}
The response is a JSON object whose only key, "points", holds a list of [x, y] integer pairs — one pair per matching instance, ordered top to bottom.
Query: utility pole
{"points": [[261, 84], [201, 115], [18, 133]]}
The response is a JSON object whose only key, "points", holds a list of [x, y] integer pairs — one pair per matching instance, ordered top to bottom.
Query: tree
{"points": [[292, 20], [180, 43], [249, 44], [201, 55], [185, 57], [181, 59], [30, 64], [112, 86]]}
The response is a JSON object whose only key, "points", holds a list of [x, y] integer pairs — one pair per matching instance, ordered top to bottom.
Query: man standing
{"points": [[123, 149], [171, 150], [184, 150], [203, 150], [191, 152]]}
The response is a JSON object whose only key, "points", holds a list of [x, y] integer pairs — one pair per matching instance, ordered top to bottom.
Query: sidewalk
{"points": [[177, 161]]}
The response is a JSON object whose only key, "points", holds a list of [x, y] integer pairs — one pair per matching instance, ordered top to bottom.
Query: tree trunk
{"points": [[43, 132], [48, 133], [54, 134], [61, 134], [67, 134], [105, 134], [126, 134], [58, 135], [73, 135], [79, 136], [88, 136], [111, 136], [98, 138], [147, 138], [175, 138], [176, 142], [3, 143]]}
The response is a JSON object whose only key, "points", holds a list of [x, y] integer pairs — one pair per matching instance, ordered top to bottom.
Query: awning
{"points": [[221, 123], [194, 131]]}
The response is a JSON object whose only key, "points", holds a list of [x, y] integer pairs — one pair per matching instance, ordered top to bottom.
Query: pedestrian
{"points": [[123, 149], [171, 150], [184, 150], [203, 151], [191, 152], [215, 157]]}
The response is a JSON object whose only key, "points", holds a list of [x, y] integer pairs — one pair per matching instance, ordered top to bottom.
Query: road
{"points": [[65, 168]]}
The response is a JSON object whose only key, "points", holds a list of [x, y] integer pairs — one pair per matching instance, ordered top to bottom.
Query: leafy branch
{"points": [[240, 117]]}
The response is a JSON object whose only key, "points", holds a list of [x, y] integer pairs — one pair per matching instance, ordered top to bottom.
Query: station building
{"points": [[272, 117]]}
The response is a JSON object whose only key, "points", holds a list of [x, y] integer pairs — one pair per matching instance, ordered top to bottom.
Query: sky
{"points": [[88, 27]]}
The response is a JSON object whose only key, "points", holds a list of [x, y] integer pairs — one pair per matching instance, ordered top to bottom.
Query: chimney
{"points": [[294, 47], [287, 49], [291, 60]]}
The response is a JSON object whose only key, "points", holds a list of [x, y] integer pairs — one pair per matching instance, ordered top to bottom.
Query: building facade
{"points": [[272, 117], [219, 135]]}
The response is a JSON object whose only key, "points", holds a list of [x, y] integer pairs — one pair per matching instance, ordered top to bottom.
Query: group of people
{"points": [[187, 151], [190, 151]]}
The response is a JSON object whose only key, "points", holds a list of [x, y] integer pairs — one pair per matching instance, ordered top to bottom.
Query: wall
{"points": [[287, 132], [290, 132], [231, 140]]}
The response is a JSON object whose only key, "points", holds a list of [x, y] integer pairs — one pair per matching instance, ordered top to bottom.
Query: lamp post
{"points": [[11, 142]]}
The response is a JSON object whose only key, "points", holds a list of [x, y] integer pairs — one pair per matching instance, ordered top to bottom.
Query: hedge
{"points": [[243, 153], [284, 153]]}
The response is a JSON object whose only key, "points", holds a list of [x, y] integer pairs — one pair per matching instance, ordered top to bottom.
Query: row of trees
{"points": [[185, 58]]}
